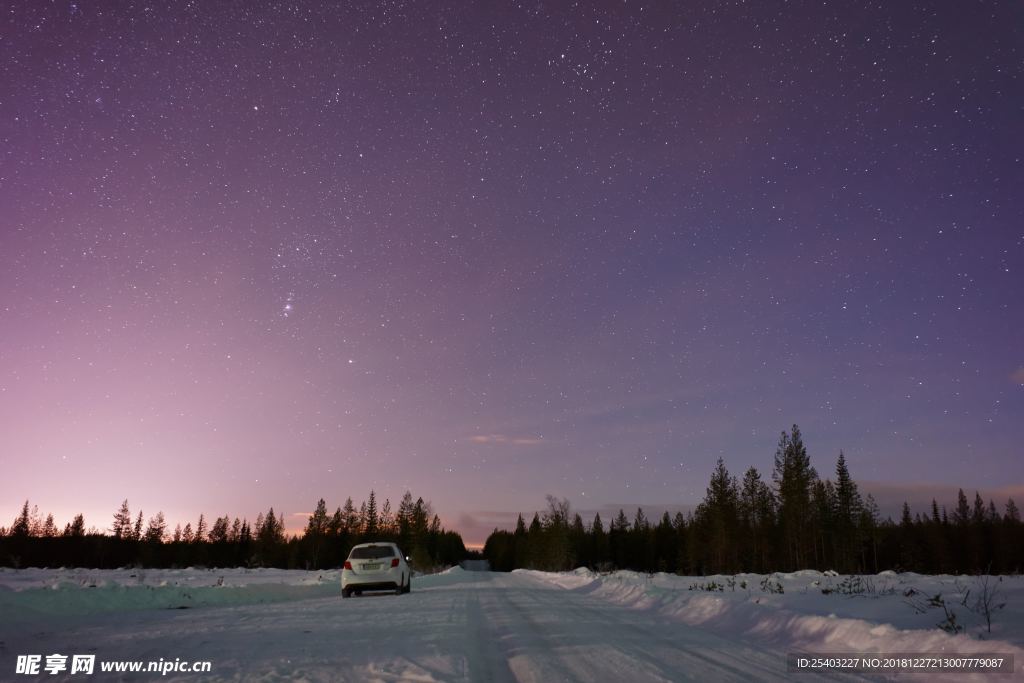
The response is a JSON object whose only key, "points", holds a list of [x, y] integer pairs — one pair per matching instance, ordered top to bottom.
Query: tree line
{"points": [[797, 520], [32, 541]]}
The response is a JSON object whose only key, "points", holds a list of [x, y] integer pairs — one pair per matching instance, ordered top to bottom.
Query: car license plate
{"points": [[370, 567]]}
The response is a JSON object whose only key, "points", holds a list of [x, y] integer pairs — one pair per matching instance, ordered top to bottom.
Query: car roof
{"points": [[373, 543]]}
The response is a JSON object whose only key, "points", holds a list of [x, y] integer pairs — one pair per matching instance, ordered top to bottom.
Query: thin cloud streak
{"points": [[504, 439]]}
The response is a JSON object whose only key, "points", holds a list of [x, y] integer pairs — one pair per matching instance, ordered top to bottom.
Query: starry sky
{"points": [[253, 254]]}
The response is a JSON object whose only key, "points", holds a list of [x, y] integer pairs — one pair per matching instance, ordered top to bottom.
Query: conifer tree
{"points": [[793, 476], [848, 506], [978, 513], [962, 514], [1012, 514], [757, 516], [350, 518], [362, 518], [370, 519], [404, 519], [387, 520], [718, 520], [906, 520], [35, 522], [335, 523], [620, 523], [640, 523], [317, 524], [555, 524], [869, 525], [22, 526], [49, 527], [77, 527], [122, 527], [156, 528], [137, 530], [219, 531], [316, 531], [271, 533], [200, 535], [599, 538]]}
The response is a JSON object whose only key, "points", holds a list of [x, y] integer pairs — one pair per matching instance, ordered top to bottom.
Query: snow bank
{"points": [[84, 591], [884, 617]]}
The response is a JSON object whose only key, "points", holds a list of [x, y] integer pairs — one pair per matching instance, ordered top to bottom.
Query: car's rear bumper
{"points": [[387, 580], [374, 586]]}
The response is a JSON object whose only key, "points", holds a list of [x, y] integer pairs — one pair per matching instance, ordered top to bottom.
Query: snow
{"points": [[271, 625]]}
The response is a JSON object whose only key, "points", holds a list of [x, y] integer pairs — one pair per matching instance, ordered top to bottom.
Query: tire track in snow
{"points": [[595, 640]]}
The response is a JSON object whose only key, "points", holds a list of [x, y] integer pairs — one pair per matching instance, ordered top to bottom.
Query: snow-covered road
{"points": [[462, 626]]}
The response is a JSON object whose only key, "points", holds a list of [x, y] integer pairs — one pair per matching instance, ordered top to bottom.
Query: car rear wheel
{"points": [[346, 592]]}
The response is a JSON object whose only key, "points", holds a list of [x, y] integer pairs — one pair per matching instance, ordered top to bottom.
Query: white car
{"points": [[376, 567]]}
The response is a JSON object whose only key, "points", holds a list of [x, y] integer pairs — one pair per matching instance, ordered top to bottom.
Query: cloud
{"points": [[1018, 375], [505, 439]]}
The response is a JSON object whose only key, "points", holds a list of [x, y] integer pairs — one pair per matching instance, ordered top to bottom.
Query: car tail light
{"points": [[394, 563], [348, 565]]}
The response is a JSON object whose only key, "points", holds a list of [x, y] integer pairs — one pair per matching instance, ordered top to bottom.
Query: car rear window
{"points": [[373, 552]]}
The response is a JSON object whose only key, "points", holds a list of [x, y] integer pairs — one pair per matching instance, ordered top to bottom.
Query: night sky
{"points": [[254, 254]]}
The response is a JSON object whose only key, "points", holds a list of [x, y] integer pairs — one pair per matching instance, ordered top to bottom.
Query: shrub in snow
{"points": [[987, 601]]}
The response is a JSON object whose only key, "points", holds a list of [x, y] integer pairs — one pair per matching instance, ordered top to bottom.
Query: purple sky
{"points": [[252, 255]]}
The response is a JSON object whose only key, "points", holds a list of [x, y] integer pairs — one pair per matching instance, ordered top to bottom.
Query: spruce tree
{"points": [[793, 477], [848, 505], [978, 513], [962, 514], [1012, 514], [350, 518], [370, 519], [404, 519], [718, 519], [387, 520], [906, 520], [35, 521], [335, 524], [22, 526], [49, 527], [77, 527], [122, 527], [869, 527], [156, 528], [137, 530], [219, 531], [316, 532], [599, 553]]}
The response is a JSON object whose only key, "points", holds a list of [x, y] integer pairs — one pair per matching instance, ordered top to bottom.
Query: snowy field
{"points": [[276, 625]]}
